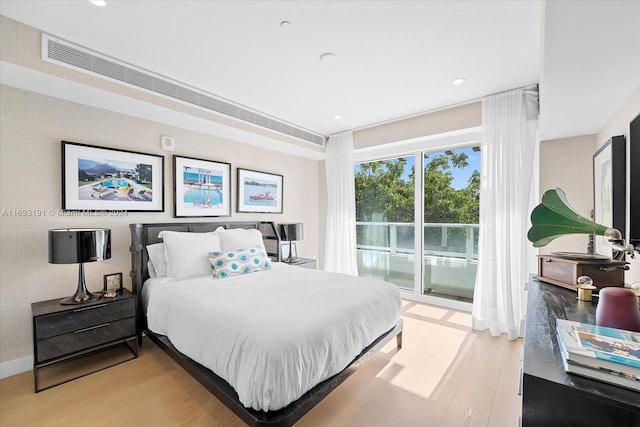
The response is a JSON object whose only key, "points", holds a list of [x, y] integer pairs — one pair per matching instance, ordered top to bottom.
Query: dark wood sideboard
{"points": [[550, 396]]}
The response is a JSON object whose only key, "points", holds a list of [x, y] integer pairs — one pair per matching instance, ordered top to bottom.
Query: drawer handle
{"points": [[89, 308], [91, 328], [520, 383]]}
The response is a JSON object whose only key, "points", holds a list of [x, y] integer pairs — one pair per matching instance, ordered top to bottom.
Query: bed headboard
{"points": [[147, 234]]}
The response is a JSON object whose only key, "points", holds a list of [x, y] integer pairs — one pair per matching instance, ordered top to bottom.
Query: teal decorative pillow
{"points": [[242, 261]]}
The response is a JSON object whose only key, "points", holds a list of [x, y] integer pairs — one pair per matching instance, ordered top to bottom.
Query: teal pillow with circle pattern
{"points": [[242, 261]]}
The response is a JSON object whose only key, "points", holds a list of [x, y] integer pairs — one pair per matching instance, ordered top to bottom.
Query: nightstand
{"points": [[304, 263], [72, 338]]}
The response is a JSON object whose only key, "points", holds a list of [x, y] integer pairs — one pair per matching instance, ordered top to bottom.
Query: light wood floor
{"points": [[445, 375]]}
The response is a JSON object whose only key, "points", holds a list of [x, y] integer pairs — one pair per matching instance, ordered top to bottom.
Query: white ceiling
{"points": [[394, 58]]}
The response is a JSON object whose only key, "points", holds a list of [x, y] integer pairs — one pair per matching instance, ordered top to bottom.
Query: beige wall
{"points": [[433, 123], [618, 124], [31, 128], [567, 163]]}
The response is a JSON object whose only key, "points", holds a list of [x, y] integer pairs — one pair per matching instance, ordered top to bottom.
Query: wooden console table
{"points": [[550, 396]]}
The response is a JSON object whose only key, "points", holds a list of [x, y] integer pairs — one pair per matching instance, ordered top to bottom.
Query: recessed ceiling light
{"points": [[99, 3], [285, 25], [328, 57], [458, 81], [337, 117]]}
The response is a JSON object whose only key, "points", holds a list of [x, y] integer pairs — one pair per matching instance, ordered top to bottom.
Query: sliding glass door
{"points": [[451, 210], [432, 211], [385, 224]]}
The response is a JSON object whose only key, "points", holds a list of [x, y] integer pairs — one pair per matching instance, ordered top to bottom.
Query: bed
{"points": [[269, 369]]}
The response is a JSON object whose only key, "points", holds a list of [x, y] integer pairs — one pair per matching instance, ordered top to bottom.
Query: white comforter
{"points": [[275, 334]]}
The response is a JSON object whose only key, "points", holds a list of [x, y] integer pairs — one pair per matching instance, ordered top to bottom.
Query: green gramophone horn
{"points": [[554, 217]]}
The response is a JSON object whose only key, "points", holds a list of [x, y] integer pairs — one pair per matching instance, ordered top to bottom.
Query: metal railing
{"points": [[398, 238]]}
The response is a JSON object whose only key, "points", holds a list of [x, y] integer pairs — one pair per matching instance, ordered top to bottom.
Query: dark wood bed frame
{"points": [[146, 234]]}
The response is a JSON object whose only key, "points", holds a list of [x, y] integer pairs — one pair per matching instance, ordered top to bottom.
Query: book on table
{"points": [[598, 352]]}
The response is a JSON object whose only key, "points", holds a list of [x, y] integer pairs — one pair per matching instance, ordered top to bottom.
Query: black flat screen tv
{"points": [[634, 182]]}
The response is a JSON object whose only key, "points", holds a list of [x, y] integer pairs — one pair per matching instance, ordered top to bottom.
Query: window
{"points": [[401, 211]]}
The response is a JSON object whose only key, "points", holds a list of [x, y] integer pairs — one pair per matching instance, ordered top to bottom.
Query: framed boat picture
{"points": [[111, 180], [201, 187], [259, 192]]}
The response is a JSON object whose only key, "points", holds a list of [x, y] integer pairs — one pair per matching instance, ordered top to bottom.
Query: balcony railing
{"points": [[398, 237], [449, 258]]}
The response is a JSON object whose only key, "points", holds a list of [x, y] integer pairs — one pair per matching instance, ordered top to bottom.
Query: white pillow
{"points": [[233, 239], [186, 253], [157, 260], [233, 263], [151, 270]]}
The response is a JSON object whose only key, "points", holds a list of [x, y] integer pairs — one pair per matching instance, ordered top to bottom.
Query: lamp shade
{"points": [[291, 231], [79, 245]]}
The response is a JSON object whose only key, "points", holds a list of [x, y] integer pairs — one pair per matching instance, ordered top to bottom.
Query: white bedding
{"points": [[274, 334]]}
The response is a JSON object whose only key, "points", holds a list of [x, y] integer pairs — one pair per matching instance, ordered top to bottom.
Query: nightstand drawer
{"points": [[83, 317], [80, 339]]}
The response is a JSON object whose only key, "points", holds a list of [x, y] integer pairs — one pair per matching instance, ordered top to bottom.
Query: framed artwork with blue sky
{"points": [[106, 179], [201, 187], [259, 192]]}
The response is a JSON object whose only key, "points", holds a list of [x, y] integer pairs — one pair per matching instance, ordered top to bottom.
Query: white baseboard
{"points": [[16, 366]]}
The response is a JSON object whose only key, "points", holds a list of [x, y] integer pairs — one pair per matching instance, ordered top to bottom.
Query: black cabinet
{"points": [[63, 333], [550, 396]]}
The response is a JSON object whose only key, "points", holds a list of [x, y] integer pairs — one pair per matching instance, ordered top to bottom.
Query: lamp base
{"points": [[290, 259], [82, 294], [80, 299]]}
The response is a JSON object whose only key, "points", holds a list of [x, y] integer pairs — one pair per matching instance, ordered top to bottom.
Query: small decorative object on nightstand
{"points": [[77, 246], [112, 285], [63, 334]]}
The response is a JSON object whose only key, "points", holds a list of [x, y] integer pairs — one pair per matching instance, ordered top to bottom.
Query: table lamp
{"points": [[291, 232], [77, 246]]}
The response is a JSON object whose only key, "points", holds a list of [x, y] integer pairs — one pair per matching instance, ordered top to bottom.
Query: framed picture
{"points": [[99, 178], [201, 187], [609, 189], [259, 192], [112, 284]]}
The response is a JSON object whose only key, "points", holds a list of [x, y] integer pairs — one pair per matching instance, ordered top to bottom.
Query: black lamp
{"points": [[291, 232], [77, 246]]}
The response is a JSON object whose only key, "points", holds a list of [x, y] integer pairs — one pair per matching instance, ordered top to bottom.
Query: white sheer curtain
{"points": [[509, 139], [340, 243]]}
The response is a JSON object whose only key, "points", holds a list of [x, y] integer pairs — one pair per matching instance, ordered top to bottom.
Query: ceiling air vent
{"points": [[67, 54]]}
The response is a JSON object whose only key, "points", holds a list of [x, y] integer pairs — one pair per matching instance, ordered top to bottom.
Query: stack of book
{"points": [[605, 354]]}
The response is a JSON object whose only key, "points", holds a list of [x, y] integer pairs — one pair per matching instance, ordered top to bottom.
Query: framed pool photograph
{"points": [[106, 179], [201, 187], [259, 192]]}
